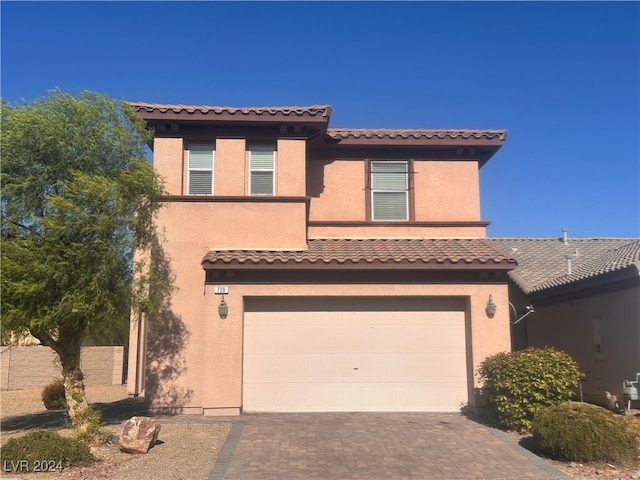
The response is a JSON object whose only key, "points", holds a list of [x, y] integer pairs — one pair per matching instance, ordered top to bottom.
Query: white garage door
{"points": [[354, 354]]}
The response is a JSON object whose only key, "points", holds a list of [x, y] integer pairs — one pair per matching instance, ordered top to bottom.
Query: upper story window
{"points": [[262, 164], [200, 167], [389, 184]]}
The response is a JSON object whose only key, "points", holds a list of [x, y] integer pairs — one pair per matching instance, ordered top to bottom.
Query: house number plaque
{"points": [[221, 290]]}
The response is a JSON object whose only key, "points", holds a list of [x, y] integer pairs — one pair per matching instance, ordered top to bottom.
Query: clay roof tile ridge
{"points": [[325, 110], [416, 133]]}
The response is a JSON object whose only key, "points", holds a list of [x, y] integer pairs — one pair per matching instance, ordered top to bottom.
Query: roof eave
{"points": [[317, 114], [463, 148], [363, 265], [619, 279]]}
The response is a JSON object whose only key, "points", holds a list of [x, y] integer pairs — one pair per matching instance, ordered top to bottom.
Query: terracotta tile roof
{"points": [[313, 110], [317, 118], [338, 133], [371, 253], [542, 262]]}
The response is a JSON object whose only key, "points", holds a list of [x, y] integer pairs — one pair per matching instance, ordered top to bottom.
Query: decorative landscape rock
{"points": [[139, 434]]}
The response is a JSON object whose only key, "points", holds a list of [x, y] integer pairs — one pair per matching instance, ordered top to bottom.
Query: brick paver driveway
{"points": [[373, 446]]}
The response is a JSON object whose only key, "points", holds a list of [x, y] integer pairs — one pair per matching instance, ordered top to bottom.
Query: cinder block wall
{"points": [[5, 355], [35, 366]]}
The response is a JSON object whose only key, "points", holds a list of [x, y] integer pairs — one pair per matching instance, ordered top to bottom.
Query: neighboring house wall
{"points": [[586, 295], [517, 308], [601, 332], [36, 366]]}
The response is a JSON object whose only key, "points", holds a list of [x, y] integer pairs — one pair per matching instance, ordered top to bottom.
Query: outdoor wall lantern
{"points": [[491, 307], [223, 309]]}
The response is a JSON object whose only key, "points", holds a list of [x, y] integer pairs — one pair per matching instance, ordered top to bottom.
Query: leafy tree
{"points": [[78, 199]]}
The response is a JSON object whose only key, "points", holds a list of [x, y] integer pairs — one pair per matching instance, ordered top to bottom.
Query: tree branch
{"points": [[25, 227], [46, 339]]}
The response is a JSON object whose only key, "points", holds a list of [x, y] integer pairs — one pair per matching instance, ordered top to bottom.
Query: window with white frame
{"points": [[262, 164], [200, 167], [389, 184]]}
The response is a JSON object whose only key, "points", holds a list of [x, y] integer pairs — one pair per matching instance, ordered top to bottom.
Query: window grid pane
{"points": [[200, 157], [261, 158], [200, 167], [261, 170], [392, 181], [200, 182], [261, 183], [389, 191], [390, 206]]}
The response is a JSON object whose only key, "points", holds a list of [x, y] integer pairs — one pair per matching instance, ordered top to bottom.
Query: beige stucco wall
{"points": [[168, 162], [230, 167], [290, 167], [230, 176], [341, 188], [443, 190], [446, 191], [238, 224], [395, 231], [569, 326], [178, 343], [210, 377]]}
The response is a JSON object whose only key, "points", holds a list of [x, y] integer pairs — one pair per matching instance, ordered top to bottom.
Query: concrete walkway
{"points": [[373, 446]]}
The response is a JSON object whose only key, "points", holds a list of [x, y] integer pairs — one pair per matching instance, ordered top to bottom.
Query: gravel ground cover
{"points": [[185, 451]]}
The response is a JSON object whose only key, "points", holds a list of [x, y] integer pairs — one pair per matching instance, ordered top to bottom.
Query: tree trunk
{"points": [[68, 349], [74, 394], [79, 409]]}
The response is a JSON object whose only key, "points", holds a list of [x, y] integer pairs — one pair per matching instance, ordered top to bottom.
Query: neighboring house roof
{"points": [[436, 253], [546, 265]]}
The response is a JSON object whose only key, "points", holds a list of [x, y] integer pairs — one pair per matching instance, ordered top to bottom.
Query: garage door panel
{"points": [[305, 335], [354, 360], [351, 367], [385, 397]]}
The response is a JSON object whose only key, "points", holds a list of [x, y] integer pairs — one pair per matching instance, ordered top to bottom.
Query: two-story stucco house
{"points": [[319, 269]]}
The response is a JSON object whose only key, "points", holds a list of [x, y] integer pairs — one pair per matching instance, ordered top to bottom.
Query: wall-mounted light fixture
{"points": [[223, 308], [490, 308], [528, 311]]}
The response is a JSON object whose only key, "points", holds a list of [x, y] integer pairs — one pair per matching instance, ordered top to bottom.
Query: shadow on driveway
{"points": [[113, 413]]}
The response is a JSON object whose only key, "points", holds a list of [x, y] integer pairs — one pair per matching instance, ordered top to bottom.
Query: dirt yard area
{"points": [[172, 458]]}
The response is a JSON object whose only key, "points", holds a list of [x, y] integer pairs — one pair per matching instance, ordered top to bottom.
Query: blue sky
{"points": [[562, 77]]}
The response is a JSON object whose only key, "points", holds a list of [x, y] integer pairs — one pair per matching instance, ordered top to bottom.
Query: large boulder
{"points": [[138, 435]]}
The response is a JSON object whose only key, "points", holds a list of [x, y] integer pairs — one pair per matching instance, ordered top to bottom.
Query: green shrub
{"points": [[516, 385], [53, 395], [86, 423], [584, 433], [42, 450]]}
